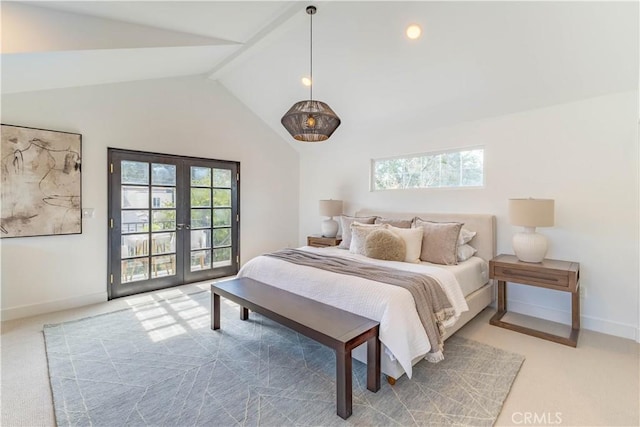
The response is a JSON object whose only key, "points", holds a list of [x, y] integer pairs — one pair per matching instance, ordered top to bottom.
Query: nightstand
{"points": [[322, 242], [551, 274]]}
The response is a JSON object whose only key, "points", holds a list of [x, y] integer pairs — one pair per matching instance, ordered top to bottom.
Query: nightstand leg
{"points": [[502, 296], [575, 309]]}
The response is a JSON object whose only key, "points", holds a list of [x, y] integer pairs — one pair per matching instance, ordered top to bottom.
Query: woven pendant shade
{"points": [[310, 121]]}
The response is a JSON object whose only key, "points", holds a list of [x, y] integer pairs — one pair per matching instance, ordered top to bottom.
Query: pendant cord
{"points": [[311, 57]]}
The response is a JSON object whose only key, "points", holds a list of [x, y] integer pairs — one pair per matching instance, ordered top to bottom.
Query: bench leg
{"points": [[215, 311], [244, 313], [373, 364], [343, 383]]}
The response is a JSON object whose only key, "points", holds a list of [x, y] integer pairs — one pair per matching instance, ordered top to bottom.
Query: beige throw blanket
{"points": [[432, 304]]}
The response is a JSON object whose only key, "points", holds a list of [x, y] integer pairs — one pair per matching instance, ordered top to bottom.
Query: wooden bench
{"points": [[338, 329]]}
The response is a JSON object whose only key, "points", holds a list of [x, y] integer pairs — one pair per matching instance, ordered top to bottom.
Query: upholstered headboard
{"points": [[483, 224]]}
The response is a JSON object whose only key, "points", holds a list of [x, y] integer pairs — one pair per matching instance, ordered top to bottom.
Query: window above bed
{"points": [[442, 169]]}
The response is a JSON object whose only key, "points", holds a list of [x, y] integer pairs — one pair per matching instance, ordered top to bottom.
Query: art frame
{"points": [[41, 176]]}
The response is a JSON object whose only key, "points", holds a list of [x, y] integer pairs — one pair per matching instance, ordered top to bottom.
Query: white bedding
{"points": [[472, 274], [400, 328]]}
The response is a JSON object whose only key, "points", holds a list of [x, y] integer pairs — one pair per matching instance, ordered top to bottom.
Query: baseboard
{"points": [[19, 312], [586, 322]]}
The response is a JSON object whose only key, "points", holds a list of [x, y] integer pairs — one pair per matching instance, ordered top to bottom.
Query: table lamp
{"points": [[330, 208], [528, 245]]}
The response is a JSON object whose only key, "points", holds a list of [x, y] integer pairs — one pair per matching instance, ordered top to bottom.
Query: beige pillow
{"points": [[398, 223], [345, 224], [359, 233], [412, 240], [439, 241], [384, 244]]}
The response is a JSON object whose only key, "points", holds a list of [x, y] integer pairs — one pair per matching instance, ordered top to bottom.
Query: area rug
{"points": [[160, 364]]}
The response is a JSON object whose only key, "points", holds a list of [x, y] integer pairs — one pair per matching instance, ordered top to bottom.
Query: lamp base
{"points": [[329, 228], [530, 246]]}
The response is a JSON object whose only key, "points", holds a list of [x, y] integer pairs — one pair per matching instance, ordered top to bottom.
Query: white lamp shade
{"points": [[330, 208], [531, 212]]}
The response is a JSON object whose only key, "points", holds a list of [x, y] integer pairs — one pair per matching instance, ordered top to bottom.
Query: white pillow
{"points": [[345, 226], [359, 233], [465, 236], [413, 242], [465, 252]]}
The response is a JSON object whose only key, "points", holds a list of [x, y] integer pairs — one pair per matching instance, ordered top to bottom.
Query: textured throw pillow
{"points": [[398, 223], [345, 224], [359, 233], [465, 236], [412, 240], [439, 241], [384, 244], [465, 252]]}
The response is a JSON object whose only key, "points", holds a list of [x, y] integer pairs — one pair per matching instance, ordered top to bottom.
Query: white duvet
{"points": [[400, 328]]}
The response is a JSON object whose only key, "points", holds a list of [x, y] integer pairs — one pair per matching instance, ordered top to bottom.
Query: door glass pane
{"points": [[134, 172], [163, 174], [200, 177], [222, 178], [135, 197], [163, 197], [200, 197], [221, 198], [221, 217], [200, 218], [164, 220], [135, 221], [221, 237], [200, 239], [163, 243], [135, 245], [221, 257], [200, 260], [163, 266], [134, 270]]}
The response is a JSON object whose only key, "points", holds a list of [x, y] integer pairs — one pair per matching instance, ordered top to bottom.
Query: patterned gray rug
{"points": [[161, 364]]}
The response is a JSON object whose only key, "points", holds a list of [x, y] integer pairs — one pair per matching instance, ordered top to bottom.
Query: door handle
{"points": [[182, 226]]}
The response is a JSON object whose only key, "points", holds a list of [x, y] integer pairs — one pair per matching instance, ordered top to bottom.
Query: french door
{"points": [[172, 220]]}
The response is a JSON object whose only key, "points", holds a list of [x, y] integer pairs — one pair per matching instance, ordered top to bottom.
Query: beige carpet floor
{"points": [[597, 383]]}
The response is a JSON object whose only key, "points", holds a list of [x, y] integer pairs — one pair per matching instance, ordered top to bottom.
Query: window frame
{"points": [[372, 169]]}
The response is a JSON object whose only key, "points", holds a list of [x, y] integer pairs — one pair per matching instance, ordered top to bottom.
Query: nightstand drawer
{"points": [[323, 242], [319, 244], [511, 274], [552, 274]]}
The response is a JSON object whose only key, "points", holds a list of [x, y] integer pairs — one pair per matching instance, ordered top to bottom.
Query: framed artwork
{"points": [[41, 182]]}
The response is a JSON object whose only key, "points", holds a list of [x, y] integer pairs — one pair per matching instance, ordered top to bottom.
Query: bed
{"points": [[403, 340]]}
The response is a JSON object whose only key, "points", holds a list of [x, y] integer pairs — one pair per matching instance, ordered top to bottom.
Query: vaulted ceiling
{"points": [[475, 59]]}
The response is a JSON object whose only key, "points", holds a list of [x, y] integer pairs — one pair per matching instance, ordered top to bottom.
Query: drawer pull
{"points": [[530, 275]]}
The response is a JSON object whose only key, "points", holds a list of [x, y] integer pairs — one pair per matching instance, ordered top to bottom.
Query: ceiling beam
{"points": [[30, 29], [221, 68]]}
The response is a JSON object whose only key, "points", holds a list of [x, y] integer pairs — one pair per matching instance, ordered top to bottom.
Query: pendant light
{"points": [[310, 121]]}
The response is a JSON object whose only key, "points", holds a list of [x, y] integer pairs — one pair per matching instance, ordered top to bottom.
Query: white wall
{"points": [[188, 116], [582, 154]]}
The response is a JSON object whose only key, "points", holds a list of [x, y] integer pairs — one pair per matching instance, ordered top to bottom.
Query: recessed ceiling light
{"points": [[414, 31], [306, 81]]}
